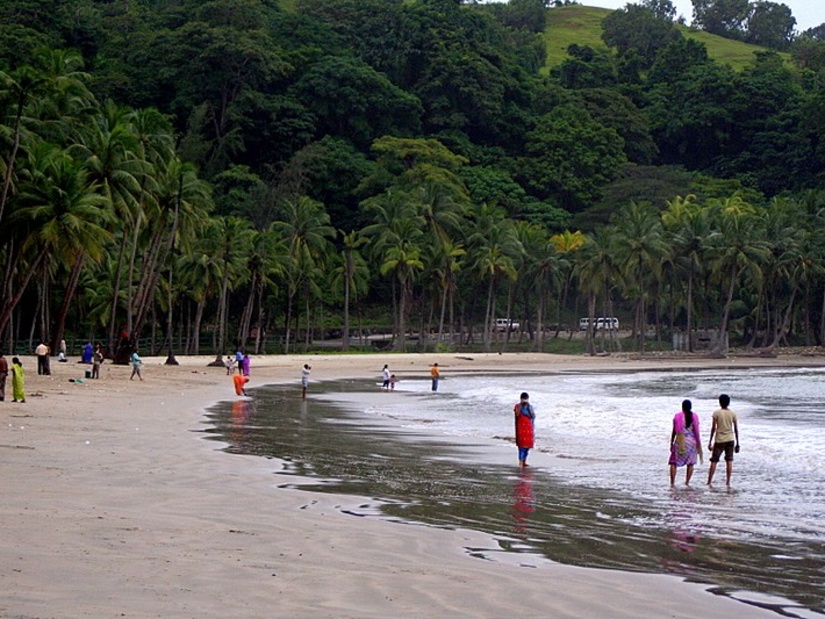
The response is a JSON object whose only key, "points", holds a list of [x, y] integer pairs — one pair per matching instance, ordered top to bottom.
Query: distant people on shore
{"points": [[42, 351], [230, 364], [246, 364], [4, 374], [386, 375], [435, 375], [18, 380], [305, 380], [393, 380], [525, 428], [726, 429], [685, 442]]}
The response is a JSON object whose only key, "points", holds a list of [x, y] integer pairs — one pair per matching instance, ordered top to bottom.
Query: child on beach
{"points": [[136, 363], [230, 364], [435, 374], [18, 380], [305, 380], [393, 380]]}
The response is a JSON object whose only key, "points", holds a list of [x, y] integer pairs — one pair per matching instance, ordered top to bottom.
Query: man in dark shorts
{"points": [[726, 428]]}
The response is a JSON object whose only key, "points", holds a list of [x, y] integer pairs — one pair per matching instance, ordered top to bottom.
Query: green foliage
{"points": [[639, 31], [572, 157]]}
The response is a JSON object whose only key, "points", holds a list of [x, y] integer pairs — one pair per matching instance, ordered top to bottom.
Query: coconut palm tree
{"points": [[67, 217], [687, 229], [307, 233], [638, 238], [493, 248], [739, 248], [353, 273], [598, 273]]}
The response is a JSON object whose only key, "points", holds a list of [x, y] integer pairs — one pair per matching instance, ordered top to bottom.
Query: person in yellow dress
{"points": [[18, 380]]}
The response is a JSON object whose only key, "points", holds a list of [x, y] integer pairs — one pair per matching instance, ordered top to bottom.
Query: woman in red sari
{"points": [[525, 428]]}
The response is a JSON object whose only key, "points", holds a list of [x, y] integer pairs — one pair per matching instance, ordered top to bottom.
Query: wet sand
{"points": [[113, 504]]}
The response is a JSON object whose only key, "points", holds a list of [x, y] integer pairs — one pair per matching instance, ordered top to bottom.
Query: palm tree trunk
{"points": [[116, 291], [68, 298], [5, 315]]}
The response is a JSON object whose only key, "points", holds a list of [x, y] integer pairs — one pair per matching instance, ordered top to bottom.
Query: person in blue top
{"points": [[88, 353], [239, 359], [136, 363]]}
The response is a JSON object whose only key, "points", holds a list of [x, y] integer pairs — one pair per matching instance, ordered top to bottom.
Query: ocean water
{"points": [[597, 492]]}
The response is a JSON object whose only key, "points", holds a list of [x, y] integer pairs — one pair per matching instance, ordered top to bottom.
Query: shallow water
{"points": [[597, 491]]}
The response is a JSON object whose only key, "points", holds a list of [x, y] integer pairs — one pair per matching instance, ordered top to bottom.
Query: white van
{"points": [[611, 323], [503, 324]]}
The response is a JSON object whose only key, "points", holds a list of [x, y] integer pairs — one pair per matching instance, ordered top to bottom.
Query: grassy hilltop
{"points": [[583, 25]]}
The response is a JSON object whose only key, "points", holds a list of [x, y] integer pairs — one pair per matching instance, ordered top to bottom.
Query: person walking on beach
{"points": [[42, 352], [136, 363], [246, 364], [386, 373], [4, 374], [435, 374], [18, 380], [305, 380], [525, 428], [726, 429], [685, 442]]}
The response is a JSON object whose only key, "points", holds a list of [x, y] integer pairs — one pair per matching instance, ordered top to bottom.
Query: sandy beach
{"points": [[114, 505]]}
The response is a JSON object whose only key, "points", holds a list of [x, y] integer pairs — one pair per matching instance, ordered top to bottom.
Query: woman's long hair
{"points": [[687, 407]]}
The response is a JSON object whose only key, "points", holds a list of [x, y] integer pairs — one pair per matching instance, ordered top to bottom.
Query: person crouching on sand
{"points": [[240, 383], [525, 428]]}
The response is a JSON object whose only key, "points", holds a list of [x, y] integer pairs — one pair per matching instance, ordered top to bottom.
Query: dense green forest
{"points": [[203, 175]]}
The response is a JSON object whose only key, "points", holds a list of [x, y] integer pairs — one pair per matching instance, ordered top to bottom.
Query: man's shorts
{"points": [[718, 448]]}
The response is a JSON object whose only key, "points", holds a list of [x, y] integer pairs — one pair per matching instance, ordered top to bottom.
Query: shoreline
{"points": [[113, 504]]}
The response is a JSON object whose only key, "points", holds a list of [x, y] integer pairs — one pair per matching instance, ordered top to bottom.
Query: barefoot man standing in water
{"points": [[726, 429]]}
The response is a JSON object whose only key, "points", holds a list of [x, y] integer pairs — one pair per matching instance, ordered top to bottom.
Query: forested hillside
{"points": [[238, 172]]}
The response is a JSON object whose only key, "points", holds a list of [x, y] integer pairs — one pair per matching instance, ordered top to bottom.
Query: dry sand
{"points": [[112, 504]]}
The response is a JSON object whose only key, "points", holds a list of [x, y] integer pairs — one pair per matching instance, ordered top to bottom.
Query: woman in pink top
{"points": [[685, 442]]}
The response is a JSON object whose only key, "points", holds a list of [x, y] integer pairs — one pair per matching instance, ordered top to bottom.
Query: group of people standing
{"points": [[686, 440]]}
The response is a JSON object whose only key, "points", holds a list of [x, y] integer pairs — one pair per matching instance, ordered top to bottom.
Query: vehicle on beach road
{"points": [[611, 323], [503, 324]]}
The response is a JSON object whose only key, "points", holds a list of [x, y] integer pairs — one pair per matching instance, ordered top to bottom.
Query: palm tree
{"points": [[110, 150], [67, 215], [397, 223], [688, 229], [307, 233], [638, 237], [566, 243], [494, 248], [739, 248], [543, 270], [353, 272], [598, 272]]}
